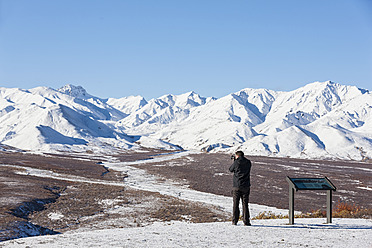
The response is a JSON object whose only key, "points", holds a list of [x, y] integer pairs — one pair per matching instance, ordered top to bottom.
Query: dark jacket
{"points": [[242, 170]]}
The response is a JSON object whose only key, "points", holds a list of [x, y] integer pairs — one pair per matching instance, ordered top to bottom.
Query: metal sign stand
{"points": [[296, 184]]}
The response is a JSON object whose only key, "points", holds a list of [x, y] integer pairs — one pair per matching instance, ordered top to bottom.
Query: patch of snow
{"points": [[366, 188], [110, 202], [55, 216]]}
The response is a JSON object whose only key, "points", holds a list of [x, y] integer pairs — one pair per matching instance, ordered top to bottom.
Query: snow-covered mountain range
{"points": [[319, 120]]}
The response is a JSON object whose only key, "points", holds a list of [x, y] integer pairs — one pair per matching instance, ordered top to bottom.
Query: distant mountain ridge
{"points": [[319, 120]]}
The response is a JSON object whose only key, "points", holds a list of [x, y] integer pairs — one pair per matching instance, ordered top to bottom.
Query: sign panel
{"points": [[312, 183]]}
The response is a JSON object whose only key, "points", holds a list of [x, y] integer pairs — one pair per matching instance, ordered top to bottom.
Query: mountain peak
{"points": [[318, 84], [75, 91], [191, 93]]}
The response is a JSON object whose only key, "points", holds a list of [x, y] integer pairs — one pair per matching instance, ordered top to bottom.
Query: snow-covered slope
{"points": [[128, 104], [307, 104], [161, 111], [47, 119], [319, 120]]}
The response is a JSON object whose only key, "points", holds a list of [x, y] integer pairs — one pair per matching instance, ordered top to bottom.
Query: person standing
{"points": [[241, 187]]}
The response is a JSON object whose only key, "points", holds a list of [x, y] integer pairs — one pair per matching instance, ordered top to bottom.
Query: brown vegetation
{"points": [[209, 173], [33, 205], [340, 210]]}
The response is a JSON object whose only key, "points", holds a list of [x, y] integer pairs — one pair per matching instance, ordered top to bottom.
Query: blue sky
{"points": [[213, 47]]}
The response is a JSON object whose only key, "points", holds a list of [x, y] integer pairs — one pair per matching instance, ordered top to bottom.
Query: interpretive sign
{"points": [[312, 183], [296, 184]]}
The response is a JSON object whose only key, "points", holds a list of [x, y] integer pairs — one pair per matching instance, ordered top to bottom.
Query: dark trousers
{"points": [[244, 195]]}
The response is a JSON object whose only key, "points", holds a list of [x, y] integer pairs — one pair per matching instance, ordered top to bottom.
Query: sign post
{"points": [[296, 184], [291, 205], [329, 206]]}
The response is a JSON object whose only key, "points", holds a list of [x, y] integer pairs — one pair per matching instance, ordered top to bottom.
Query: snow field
{"points": [[263, 233]]}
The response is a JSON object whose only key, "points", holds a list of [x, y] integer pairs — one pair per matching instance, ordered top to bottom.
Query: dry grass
{"points": [[340, 210], [350, 210]]}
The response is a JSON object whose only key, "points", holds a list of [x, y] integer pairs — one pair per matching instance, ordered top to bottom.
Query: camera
{"points": [[233, 157]]}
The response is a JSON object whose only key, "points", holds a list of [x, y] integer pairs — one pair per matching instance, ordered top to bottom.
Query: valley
{"points": [[47, 194]]}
